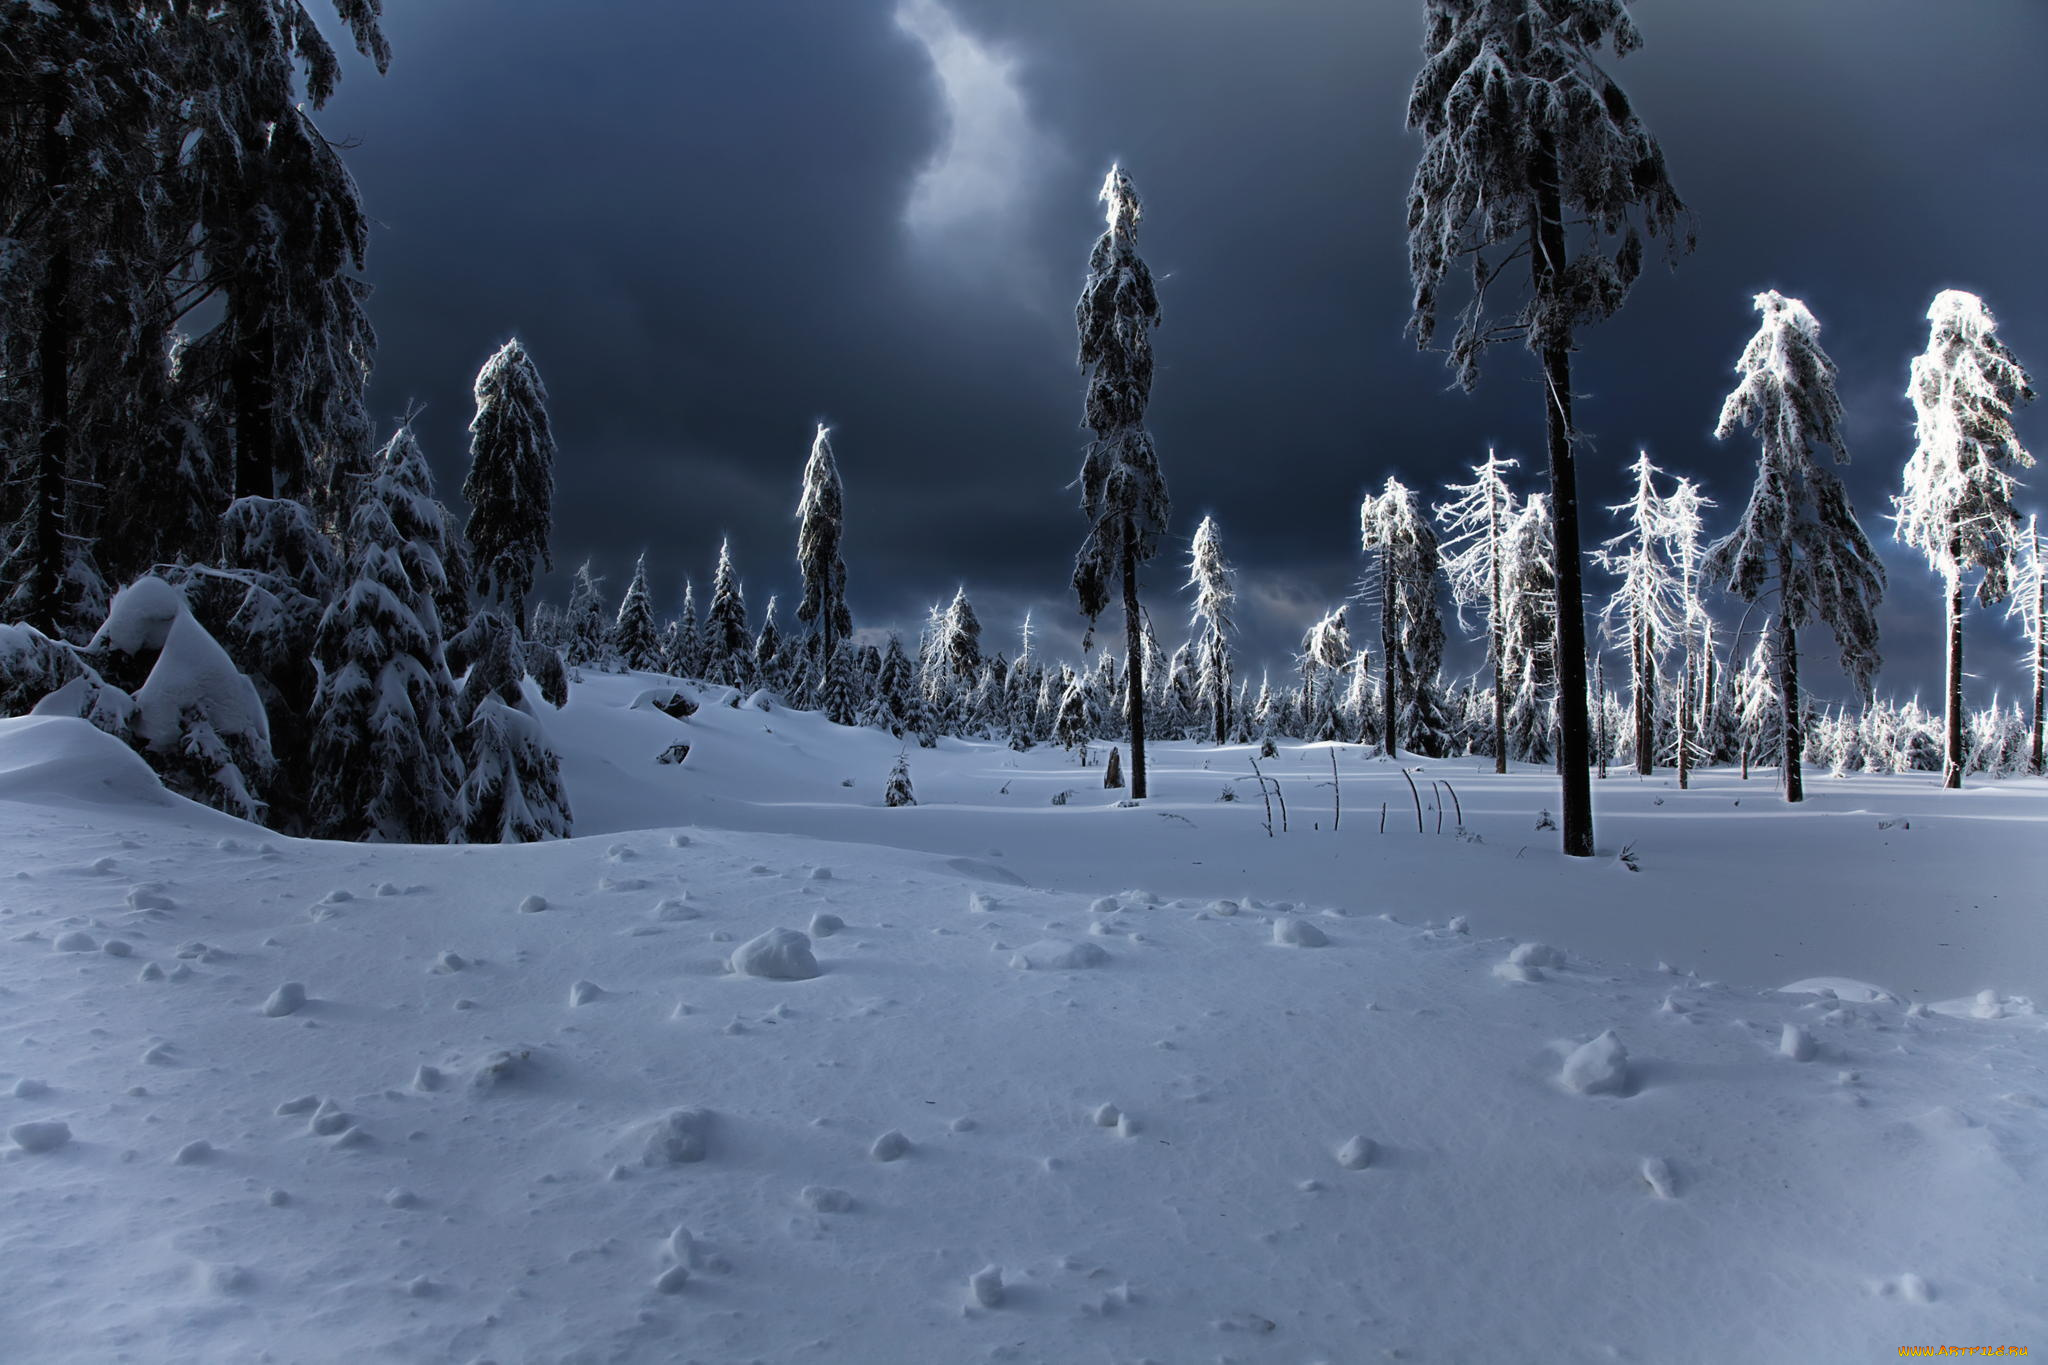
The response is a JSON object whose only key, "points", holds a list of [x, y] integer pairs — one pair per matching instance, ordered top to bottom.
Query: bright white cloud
{"points": [[992, 156]]}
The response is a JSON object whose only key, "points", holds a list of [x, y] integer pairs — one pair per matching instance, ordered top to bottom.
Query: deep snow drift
{"points": [[1018, 1081]]}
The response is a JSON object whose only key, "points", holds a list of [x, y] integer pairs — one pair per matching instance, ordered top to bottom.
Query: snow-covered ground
{"points": [[1072, 1083]]}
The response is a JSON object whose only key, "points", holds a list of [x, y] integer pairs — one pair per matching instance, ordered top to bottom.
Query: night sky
{"points": [[717, 224]]}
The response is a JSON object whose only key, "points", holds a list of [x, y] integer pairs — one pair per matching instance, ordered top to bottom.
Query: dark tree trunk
{"points": [[1546, 264], [53, 391], [2040, 659], [1134, 667], [1643, 667], [1220, 700], [1390, 700], [1788, 705], [1685, 723], [1952, 748]]}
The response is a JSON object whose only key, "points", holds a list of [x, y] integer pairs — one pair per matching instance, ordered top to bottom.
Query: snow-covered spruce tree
{"points": [[1525, 140], [511, 483], [1123, 493], [1957, 505], [1475, 522], [821, 525], [1683, 528], [1395, 530], [1798, 536], [1215, 599], [2029, 606], [1644, 613], [633, 632], [1528, 632], [960, 640], [589, 643], [727, 646], [768, 652], [1325, 653], [687, 660], [895, 686], [839, 694], [1760, 711], [190, 713], [1075, 719], [383, 747], [511, 790], [898, 792]]}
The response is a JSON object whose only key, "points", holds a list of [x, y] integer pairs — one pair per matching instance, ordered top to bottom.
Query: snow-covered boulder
{"points": [[779, 955], [1057, 955], [1598, 1067]]}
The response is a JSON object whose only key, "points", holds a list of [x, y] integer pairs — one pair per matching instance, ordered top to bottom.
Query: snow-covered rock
{"points": [[778, 955], [1597, 1067]]}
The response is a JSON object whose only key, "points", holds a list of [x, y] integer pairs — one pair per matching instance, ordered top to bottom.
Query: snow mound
{"points": [[61, 758], [1298, 933], [778, 955], [1057, 955], [1841, 988], [1598, 1067], [41, 1136], [676, 1138]]}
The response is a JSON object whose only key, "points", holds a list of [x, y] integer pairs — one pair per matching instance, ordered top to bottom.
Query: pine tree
{"points": [[1526, 137], [511, 484], [1122, 491], [1957, 506], [821, 518], [1475, 523], [1393, 527], [1682, 528], [1799, 534], [1215, 598], [2029, 606], [1644, 613], [1529, 632], [633, 633], [960, 639], [726, 642], [589, 643], [768, 652], [1325, 653], [688, 660], [895, 690], [839, 694], [382, 753], [511, 790], [898, 792]]}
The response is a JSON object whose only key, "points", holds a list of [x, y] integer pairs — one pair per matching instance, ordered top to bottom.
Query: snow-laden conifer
{"points": [[1528, 144], [511, 483], [1123, 493], [1957, 505], [821, 517], [1475, 523], [1683, 527], [1395, 531], [1798, 537], [1215, 601], [2029, 606], [1644, 614], [633, 631], [1529, 632], [590, 634], [960, 639], [727, 646], [768, 652], [1325, 653], [687, 658], [894, 707], [383, 757], [511, 788], [898, 792]]}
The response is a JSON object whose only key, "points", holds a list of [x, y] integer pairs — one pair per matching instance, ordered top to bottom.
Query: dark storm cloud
{"points": [[702, 219]]}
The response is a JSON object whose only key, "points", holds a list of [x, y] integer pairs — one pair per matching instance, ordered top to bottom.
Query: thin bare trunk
{"points": [[1134, 667], [1788, 701], [1952, 749]]}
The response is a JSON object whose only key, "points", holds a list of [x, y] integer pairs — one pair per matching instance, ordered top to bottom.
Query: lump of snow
{"points": [[761, 699], [821, 874], [149, 896], [980, 902], [533, 905], [1106, 905], [1224, 908], [675, 909], [825, 925], [1459, 925], [1298, 933], [77, 941], [117, 947], [778, 955], [1057, 955], [1536, 955], [450, 962], [150, 972], [1840, 988], [583, 992], [289, 998], [1796, 1043], [1599, 1067], [497, 1069], [427, 1078], [28, 1088], [304, 1104], [1107, 1116], [328, 1120], [45, 1135], [675, 1139], [890, 1146], [194, 1152], [1357, 1153], [1657, 1175], [401, 1198], [825, 1199], [681, 1246], [673, 1279], [986, 1284], [1913, 1289]]}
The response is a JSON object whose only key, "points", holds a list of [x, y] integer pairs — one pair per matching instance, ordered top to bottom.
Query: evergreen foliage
{"points": [[511, 484]]}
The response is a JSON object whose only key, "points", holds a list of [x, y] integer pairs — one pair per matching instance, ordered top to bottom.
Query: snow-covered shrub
{"points": [[898, 792]]}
